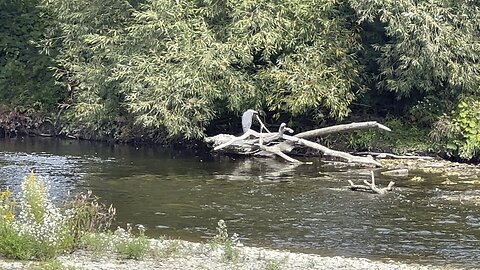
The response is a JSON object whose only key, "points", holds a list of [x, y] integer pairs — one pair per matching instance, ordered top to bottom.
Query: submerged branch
{"points": [[370, 186]]}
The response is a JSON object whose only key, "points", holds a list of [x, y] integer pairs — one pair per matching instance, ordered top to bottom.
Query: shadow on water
{"points": [[267, 202]]}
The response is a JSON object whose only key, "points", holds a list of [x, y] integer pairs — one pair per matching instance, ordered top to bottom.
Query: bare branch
{"points": [[261, 124], [341, 128], [245, 135], [234, 139], [276, 150], [333, 153], [371, 187]]}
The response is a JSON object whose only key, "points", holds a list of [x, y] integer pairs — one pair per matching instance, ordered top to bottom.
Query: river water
{"points": [[267, 203]]}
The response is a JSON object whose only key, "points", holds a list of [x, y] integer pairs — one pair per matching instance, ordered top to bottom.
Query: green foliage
{"points": [[431, 45], [428, 54], [180, 64], [85, 65], [26, 80], [426, 111], [468, 121], [460, 131], [405, 138], [361, 140], [88, 215], [33, 227], [39, 230], [124, 242], [98, 243], [228, 243], [129, 246], [172, 248], [52, 265], [273, 265]]}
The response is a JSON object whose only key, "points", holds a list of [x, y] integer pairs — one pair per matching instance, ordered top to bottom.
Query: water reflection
{"points": [[267, 202]]}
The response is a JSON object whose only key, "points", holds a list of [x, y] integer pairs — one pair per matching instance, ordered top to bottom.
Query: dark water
{"points": [[268, 203]]}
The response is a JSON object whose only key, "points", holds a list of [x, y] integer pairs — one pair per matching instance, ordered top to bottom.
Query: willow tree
{"points": [[83, 39], [433, 45], [433, 49], [181, 64]]}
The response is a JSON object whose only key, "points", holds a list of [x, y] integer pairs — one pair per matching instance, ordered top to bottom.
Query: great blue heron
{"points": [[247, 119]]}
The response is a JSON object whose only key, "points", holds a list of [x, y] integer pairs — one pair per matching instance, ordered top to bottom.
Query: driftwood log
{"points": [[280, 144], [370, 186]]}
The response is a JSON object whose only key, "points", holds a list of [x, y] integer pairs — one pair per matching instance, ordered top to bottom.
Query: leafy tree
{"points": [[433, 45], [430, 57], [86, 64], [181, 64], [26, 81], [460, 131]]}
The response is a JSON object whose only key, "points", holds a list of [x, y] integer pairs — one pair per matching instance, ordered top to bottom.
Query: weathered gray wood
{"points": [[341, 128], [278, 143], [244, 147], [276, 150], [334, 153], [397, 172], [371, 187]]}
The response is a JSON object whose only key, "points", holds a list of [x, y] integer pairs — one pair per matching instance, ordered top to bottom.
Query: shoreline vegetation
{"points": [[177, 71], [403, 140]]}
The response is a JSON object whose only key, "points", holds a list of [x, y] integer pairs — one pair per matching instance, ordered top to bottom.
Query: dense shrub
{"points": [[460, 130]]}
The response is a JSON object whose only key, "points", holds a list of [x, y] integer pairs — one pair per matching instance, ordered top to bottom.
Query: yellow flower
{"points": [[7, 193], [10, 216]]}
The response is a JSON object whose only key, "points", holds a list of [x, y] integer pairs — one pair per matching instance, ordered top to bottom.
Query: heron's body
{"points": [[247, 119]]}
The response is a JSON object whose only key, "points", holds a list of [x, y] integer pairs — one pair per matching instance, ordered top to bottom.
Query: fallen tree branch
{"points": [[262, 126], [341, 128], [247, 134], [278, 143], [276, 150], [334, 153], [371, 187]]}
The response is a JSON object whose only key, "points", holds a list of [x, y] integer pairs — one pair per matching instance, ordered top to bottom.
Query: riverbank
{"points": [[405, 138], [449, 170], [176, 255]]}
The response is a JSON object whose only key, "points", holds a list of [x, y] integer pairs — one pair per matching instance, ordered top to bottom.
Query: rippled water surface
{"points": [[268, 203]]}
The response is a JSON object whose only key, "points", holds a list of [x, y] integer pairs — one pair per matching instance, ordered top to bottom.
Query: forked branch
{"points": [[370, 186]]}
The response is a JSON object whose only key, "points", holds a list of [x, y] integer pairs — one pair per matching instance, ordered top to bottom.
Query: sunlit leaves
{"points": [[434, 44], [180, 64]]}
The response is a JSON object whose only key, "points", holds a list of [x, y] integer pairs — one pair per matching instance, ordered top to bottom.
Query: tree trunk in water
{"points": [[279, 144]]}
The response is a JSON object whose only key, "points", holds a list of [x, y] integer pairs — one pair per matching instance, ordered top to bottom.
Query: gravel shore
{"points": [[187, 255]]}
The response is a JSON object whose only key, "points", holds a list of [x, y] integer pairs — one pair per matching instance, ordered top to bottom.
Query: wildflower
{"points": [[5, 194], [9, 216]]}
